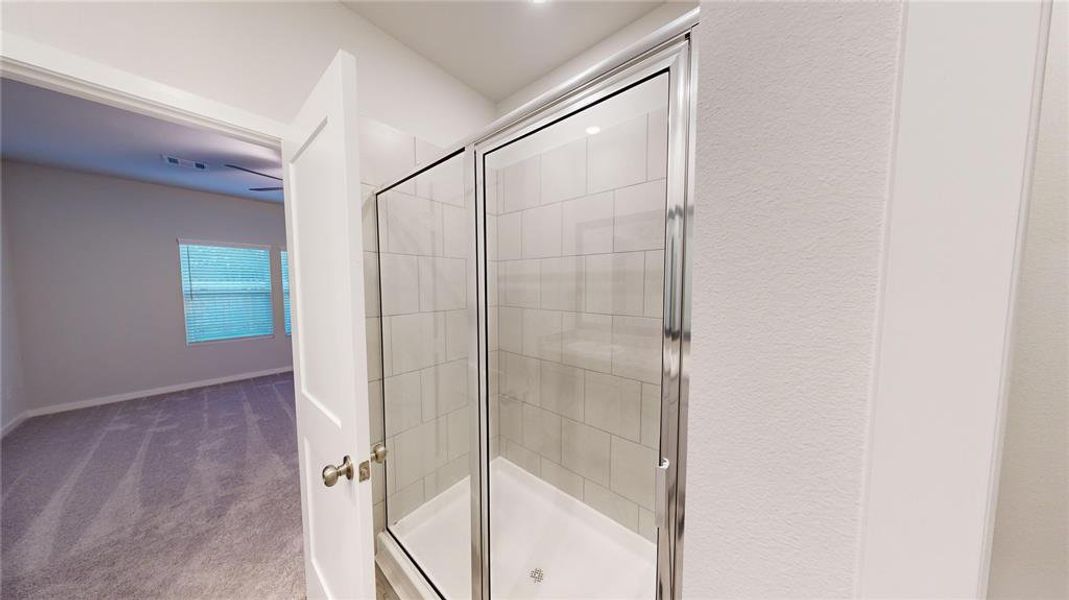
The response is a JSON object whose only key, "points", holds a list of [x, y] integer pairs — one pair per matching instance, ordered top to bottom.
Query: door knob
{"points": [[378, 453], [332, 473]]}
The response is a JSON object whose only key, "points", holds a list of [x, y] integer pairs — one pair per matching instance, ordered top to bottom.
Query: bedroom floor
{"points": [[186, 495]]}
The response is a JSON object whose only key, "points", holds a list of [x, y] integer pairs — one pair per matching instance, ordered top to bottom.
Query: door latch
{"points": [[378, 454], [331, 473]]}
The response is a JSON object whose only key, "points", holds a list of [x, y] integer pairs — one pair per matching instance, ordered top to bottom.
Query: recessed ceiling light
{"points": [[538, 1], [593, 130]]}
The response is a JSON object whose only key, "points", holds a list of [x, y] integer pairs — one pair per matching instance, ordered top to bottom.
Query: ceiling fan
{"points": [[258, 189]]}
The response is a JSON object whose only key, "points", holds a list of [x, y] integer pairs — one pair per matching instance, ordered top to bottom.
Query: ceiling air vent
{"points": [[184, 163]]}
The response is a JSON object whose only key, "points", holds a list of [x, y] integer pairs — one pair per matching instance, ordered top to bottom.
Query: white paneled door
{"points": [[323, 225]]}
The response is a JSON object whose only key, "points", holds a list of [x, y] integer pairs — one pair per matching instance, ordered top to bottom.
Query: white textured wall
{"points": [[263, 57], [793, 155], [97, 287], [1030, 555]]}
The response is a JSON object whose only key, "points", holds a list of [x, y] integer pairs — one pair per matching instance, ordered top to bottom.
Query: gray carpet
{"points": [[186, 495]]}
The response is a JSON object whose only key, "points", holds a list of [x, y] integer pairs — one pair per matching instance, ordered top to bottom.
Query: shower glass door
{"points": [[575, 221], [426, 277], [533, 338]]}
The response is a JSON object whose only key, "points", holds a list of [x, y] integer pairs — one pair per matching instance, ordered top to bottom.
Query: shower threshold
{"points": [[544, 543]]}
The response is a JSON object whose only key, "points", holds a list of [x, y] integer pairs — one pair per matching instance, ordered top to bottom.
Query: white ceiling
{"points": [[499, 46], [46, 127]]}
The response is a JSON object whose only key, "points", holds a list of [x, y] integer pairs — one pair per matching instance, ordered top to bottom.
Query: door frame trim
{"points": [[27, 61]]}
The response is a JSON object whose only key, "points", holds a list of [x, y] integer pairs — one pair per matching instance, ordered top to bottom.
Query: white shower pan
{"points": [[544, 543]]}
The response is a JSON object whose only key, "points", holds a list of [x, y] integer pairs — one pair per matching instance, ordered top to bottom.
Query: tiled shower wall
{"points": [[424, 236], [577, 252]]}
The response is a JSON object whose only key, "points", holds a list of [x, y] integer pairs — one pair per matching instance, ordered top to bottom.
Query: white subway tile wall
{"points": [[423, 227], [575, 278], [575, 285]]}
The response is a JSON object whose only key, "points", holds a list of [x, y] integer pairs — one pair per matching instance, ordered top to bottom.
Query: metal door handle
{"points": [[378, 453], [331, 474], [660, 500]]}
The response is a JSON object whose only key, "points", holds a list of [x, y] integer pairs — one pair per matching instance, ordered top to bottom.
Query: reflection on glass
{"points": [[575, 258], [423, 266]]}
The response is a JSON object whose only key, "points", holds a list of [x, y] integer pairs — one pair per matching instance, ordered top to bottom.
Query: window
{"points": [[226, 291], [286, 291]]}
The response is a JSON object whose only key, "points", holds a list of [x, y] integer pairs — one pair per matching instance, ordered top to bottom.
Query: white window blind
{"points": [[226, 291], [286, 292]]}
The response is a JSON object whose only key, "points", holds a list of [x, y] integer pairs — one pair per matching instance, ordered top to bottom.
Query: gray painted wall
{"points": [[96, 284], [12, 395]]}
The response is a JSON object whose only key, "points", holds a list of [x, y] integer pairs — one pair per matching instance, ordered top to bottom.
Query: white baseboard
{"points": [[47, 410], [14, 423]]}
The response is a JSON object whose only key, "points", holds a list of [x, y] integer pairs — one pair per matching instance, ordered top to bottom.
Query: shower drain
{"points": [[537, 575]]}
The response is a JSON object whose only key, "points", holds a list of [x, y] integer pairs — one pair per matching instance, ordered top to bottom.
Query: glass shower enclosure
{"points": [[534, 340]]}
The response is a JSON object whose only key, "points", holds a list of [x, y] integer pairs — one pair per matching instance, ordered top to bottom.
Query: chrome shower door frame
{"points": [[674, 56]]}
